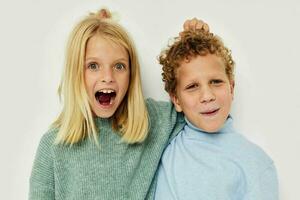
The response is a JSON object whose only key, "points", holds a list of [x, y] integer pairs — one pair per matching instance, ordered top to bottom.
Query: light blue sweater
{"points": [[198, 165]]}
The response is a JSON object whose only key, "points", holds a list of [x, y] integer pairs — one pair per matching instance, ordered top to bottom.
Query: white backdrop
{"points": [[263, 35]]}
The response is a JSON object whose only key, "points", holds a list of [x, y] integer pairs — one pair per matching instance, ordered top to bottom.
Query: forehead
{"points": [[99, 45], [206, 65]]}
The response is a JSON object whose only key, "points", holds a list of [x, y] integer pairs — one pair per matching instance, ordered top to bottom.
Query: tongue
{"points": [[104, 99]]}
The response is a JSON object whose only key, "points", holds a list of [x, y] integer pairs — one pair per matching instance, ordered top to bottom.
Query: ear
{"points": [[232, 84], [176, 102]]}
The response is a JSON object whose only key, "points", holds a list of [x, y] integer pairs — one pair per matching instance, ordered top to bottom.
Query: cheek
{"points": [[86, 78], [127, 81], [89, 82], [124, 82], [224, 93], [226, 98], [189, 103]]}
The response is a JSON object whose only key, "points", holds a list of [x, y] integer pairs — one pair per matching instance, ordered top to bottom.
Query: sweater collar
{"points": [[103, 122]]}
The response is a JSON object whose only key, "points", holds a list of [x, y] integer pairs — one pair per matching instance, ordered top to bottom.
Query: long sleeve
{"points": [[42, 175], [266, 187]]}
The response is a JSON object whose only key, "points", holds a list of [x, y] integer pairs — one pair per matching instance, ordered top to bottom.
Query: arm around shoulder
{"points": [[161, 111], [163, 114]]}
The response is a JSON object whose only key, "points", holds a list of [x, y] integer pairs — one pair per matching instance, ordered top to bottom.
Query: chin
{"points": [[102, 114], [213, 128]]}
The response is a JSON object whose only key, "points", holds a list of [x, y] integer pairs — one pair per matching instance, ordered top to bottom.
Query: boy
{"points": [[208, 159]]}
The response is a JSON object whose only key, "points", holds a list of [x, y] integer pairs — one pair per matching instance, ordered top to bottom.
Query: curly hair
{"points": [[187, 46]]}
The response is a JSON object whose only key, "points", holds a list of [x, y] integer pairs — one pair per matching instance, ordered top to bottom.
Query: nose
{"points": [[107, 75], [207, 95]]}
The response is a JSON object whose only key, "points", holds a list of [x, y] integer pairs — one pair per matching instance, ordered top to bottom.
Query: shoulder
{"points": [[49, 137], [47, 141], [236, 144], [249, 153], [44, 154], [253, 162], [258, 168]]}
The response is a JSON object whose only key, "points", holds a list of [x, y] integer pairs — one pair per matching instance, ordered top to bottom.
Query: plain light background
{"points": [[263, 36]]}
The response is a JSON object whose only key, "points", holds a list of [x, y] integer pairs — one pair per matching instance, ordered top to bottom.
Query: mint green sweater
{"points": [[116, 170]]}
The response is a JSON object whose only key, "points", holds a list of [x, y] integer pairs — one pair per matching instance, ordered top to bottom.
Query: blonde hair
{"points": [[191, 44], [76, 121]]}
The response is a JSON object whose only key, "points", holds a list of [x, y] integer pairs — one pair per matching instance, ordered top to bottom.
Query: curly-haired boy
{"points": [[208, 159]]}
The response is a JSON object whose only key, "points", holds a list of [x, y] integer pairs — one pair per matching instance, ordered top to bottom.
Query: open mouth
{"points": [[105, 97]]}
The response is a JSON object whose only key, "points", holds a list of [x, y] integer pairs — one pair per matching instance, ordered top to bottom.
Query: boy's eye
{"points": [[93, 66], [120, 66], [216, 81], [191, 86]]}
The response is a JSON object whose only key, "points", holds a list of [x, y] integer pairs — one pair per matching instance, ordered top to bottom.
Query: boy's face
{"points": [[106, 74], [203, 92]]}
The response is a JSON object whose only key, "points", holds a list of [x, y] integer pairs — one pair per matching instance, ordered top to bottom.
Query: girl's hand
{"points": [[193, 24]]}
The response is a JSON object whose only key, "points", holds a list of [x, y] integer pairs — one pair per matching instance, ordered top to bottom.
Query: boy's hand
{"points": [[193, 24]]}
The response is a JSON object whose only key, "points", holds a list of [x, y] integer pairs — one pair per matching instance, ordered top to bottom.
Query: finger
{"points": [[193, 23], [186, 25], [199, 26], [205, 27]]}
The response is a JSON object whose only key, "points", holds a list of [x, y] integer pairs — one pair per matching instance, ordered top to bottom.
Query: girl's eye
{"points": [[93, 66], [120, 66]]}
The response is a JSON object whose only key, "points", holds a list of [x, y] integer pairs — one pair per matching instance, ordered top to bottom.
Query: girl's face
{"points": [[107, 73], [204, 92]]}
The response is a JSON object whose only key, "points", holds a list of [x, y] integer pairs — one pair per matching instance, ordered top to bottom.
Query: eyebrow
{"points": [[118, 59], [123, 59]]}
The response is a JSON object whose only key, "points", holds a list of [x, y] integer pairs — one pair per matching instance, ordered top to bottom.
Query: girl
{"points": [[107, 141]]}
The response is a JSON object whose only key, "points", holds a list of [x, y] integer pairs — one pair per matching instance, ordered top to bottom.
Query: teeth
{"points": [[106, 91]]}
